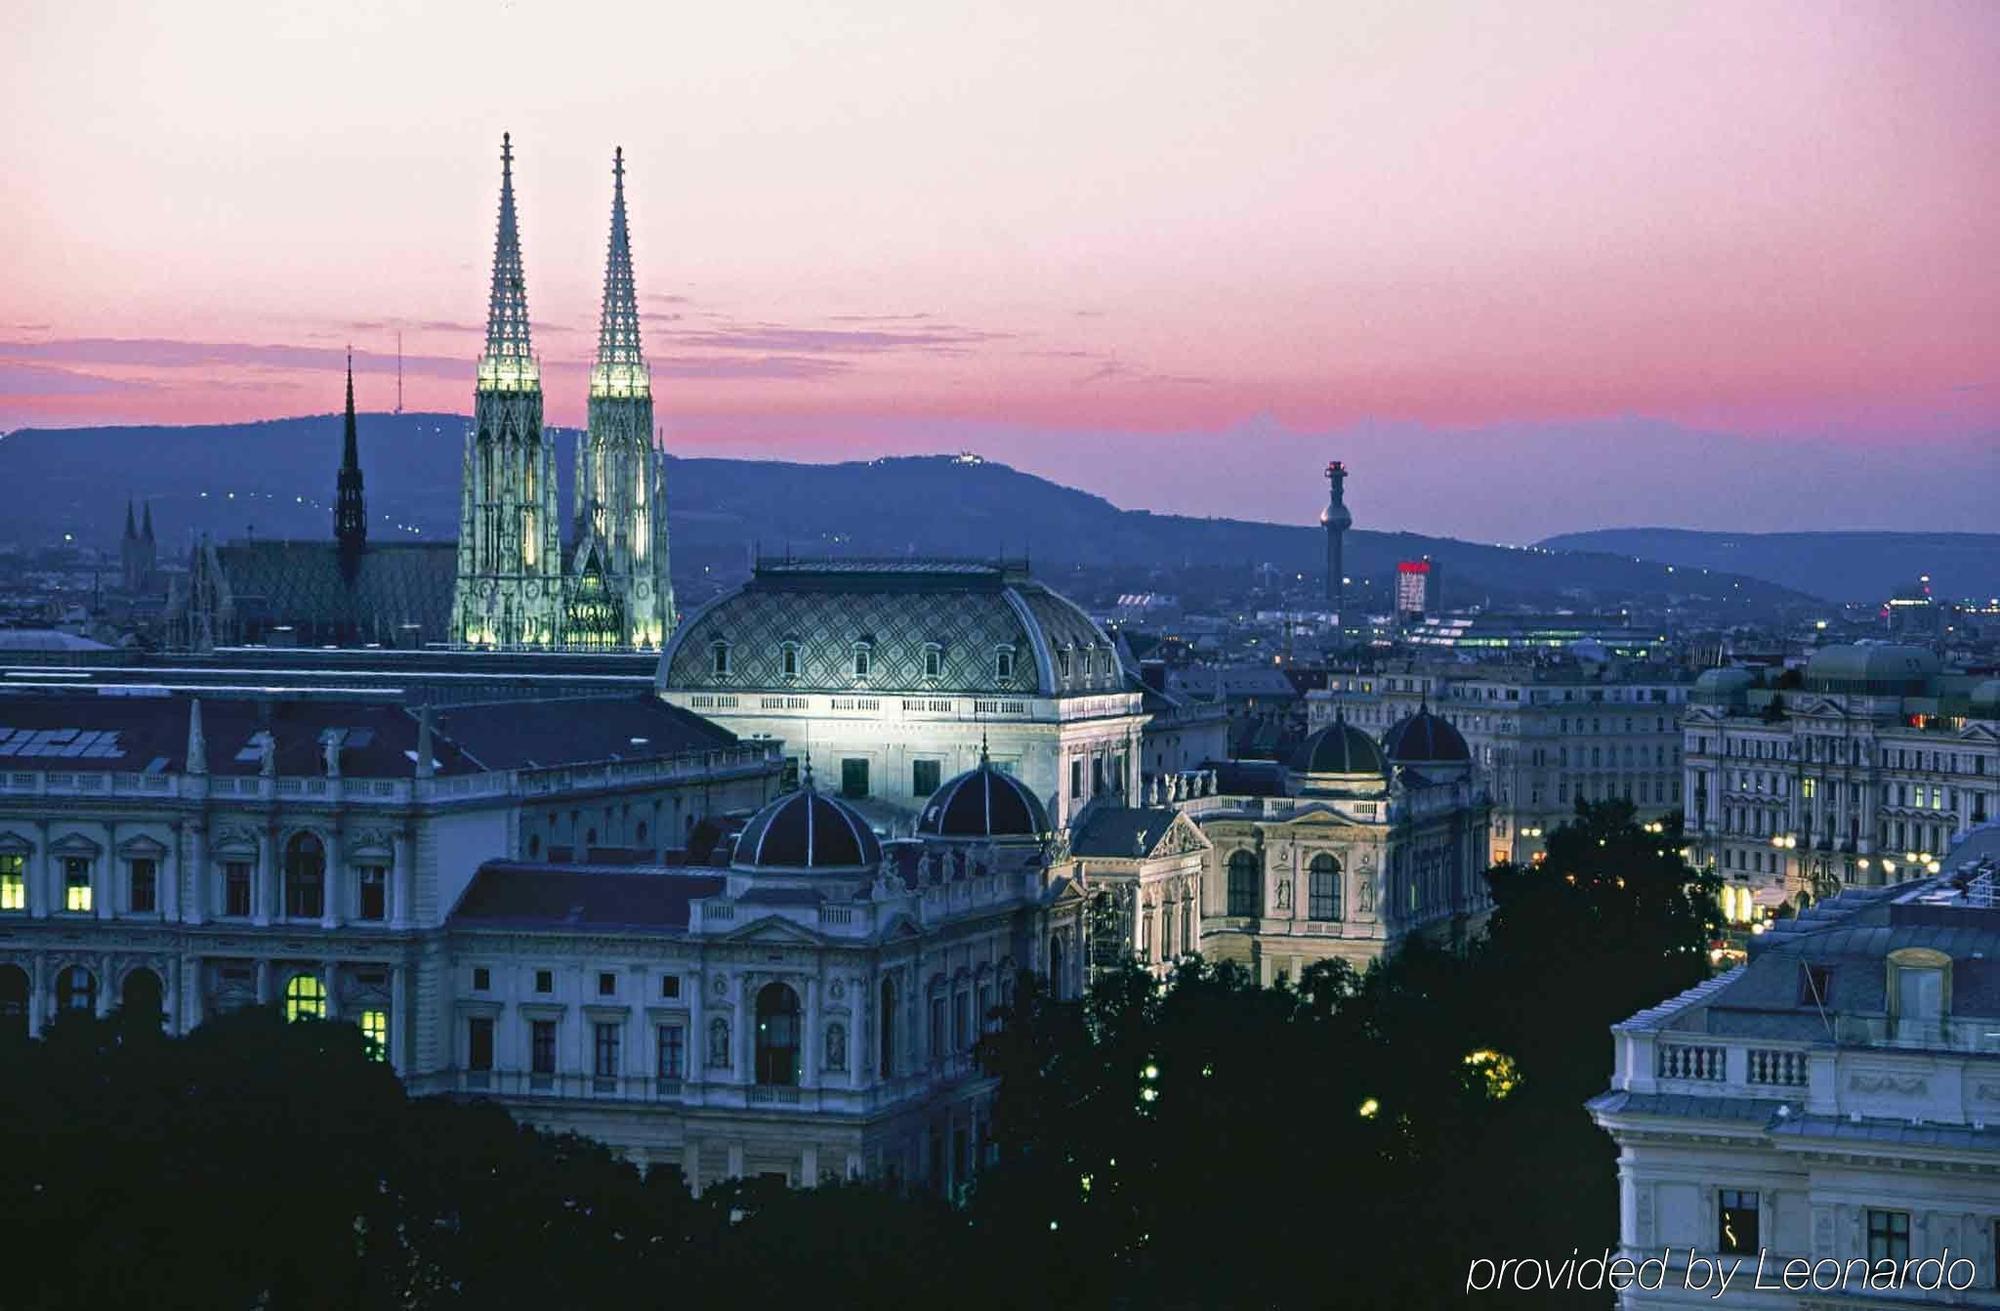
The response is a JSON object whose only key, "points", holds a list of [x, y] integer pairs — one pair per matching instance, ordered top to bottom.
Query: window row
{"points": [[861, 660], [1244, 892], [606, 982]]}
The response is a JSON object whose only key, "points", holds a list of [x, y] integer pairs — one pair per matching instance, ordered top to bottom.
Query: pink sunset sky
{"points": [[1178, 254]]}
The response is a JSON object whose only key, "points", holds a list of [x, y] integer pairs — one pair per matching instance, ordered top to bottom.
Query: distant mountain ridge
{"points": [[276, 478], [1842, 566]]}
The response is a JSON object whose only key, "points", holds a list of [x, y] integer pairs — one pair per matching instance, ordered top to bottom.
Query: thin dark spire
{"points": [[350, 509]]}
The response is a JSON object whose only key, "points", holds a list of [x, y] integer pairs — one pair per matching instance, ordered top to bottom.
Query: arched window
{"points": [[718, 653], [788, 659], [864, 659], [933, 660], [1003, 663], [305, 876], [1323, 888], [1246, 893], [76, 989], [145, 996], [305, 997], [13, 1002], [777, 1035], [887, 1067]]}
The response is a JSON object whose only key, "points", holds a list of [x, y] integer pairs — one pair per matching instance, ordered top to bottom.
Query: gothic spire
{"points": [[507, 310], [620, 363], [350, 513], [131, 531], [146, 533]]}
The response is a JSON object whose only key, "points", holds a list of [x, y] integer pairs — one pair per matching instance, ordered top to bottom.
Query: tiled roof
{"points": [[300, 583], [576, 730], [1120, 832], [515, 894]]}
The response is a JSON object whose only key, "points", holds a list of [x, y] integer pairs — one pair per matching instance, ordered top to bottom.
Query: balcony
{"points": [[1974, 1036]]}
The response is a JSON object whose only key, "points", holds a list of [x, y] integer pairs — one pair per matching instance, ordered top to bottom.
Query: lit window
{"points": [[13, 881], [76, 884], [305, 997], [375, 1033], [1736, 1221]]}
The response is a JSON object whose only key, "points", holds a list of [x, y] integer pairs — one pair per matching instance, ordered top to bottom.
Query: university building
{"points": [[1835, 1099]]}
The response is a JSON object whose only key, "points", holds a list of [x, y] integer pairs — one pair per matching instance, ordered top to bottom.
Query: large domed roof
{"points": [[917, 627], [1878, 669], [1425, 738], [1338, 748], [984, 803], [807, 830]]}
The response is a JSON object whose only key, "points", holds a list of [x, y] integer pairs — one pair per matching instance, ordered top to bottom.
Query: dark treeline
{"points": [[1341, 1140]]}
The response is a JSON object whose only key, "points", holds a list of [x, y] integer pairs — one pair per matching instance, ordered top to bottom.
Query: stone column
{"points": [[40, 864], [199, 876], [170, 878], [104, 879], [402, 883], [335, 885], [264, 890], [329, 975], [263, 983], [39, 1004], [399, 1019], [697, 1037], [746, 1037], [811, 1041]]}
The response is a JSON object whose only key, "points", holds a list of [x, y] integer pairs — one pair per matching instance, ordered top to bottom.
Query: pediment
{"points": [[1323, 815], [1179, 838], [13, 844], [75, 844], [142, 847], [774, 929]]}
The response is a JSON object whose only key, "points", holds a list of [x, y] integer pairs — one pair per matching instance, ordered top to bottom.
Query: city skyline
{"points": [[1454, 254]]}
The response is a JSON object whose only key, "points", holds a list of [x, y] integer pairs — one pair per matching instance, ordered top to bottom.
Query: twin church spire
{"points": [[517, 587]]}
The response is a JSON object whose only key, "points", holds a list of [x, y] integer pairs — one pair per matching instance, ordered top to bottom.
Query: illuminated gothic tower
{"points": [[1336, 520], [509, 589], [619, 592]]}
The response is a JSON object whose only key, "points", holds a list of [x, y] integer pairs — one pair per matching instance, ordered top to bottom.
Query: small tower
{"points": [[350, 510], [1336, 520]]}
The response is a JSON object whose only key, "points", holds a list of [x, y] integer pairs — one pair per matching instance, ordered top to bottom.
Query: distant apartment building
{"points": [[1489, 633], [1544, 735], [1858, 769], [1832, 1104]]}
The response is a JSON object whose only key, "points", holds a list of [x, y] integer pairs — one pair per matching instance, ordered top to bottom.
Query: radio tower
{"points": [[1336, 520]]}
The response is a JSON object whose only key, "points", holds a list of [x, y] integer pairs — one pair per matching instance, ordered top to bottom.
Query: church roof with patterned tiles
{"points": [[300, 583], [967, 609]]}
